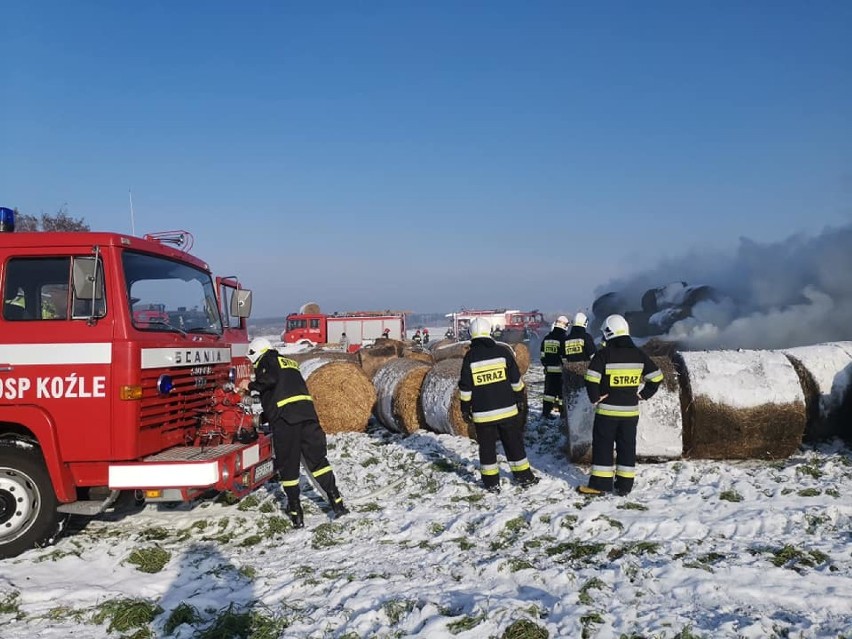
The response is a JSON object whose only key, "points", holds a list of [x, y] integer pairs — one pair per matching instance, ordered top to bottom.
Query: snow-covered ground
{"points": [[700, 549]]}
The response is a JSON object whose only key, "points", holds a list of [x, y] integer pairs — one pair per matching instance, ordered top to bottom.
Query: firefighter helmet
{"points": [[580, 319], [561, 322], [615, 326], [480, 327], [257, 347]]}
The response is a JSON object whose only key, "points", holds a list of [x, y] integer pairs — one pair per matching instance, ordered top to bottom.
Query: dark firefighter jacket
{"points": [[579, 345], [552, 347], [616, 373], [490, 384], [283, 392]]}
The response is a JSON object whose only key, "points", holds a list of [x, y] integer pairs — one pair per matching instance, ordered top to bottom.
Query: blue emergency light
{"points": [[7, 220]]}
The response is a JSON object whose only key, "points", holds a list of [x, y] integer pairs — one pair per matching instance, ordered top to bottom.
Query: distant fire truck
{"points": [[506, 320], [361, 327], [98, 400]]}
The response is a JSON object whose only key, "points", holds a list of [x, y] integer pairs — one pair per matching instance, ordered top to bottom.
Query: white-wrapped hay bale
{"points": [[450, 350], [371, 358], [825, 373], [343, 395], [398, 395], [440, 398], [744, 404], [659, 433]]}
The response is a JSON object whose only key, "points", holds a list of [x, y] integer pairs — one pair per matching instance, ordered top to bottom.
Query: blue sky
{"points": [[432, 155]]}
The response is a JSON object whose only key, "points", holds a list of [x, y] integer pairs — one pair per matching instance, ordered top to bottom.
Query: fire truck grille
{"points": [[189, 397]]}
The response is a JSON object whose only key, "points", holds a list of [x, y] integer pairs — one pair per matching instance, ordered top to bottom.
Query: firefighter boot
{"points": [[526, 478], [336, 501], [296, 515]]}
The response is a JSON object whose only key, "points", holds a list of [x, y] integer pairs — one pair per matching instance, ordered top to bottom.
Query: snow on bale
{"points": [[451, 350], [322, 353], [372, 357], [825, 373], [398, 389], [343, 395], [440, 398], [745, 404], [659, 434]]}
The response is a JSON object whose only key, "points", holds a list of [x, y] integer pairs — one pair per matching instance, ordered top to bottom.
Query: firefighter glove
{"points": [[521, 401], [467, 412]]}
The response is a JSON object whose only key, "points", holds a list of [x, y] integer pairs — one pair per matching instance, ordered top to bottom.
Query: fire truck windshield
{"points": [[167, 295]]}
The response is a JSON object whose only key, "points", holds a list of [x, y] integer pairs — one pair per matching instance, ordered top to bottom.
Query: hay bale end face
{"points": [[374, 356], [522, 356], [825, 373], [398, 386], [343, 395], [440, 398], [744, 405], [659, 433]]}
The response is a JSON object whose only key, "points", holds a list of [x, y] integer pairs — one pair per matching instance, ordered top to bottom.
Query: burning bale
{"points": [[372, 357], [825, 373], [398, 387], [343, 395], [440, 399], [745, 404], [659, 433]]}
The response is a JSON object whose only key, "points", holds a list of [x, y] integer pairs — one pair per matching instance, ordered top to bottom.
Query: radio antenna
{"points": [[132, 222]]}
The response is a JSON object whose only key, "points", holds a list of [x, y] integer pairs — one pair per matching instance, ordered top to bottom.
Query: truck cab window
{"points": [[36, 288], [169, 296]]}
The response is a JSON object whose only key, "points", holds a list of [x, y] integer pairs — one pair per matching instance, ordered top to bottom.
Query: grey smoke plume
{"points": [[791, 293]]}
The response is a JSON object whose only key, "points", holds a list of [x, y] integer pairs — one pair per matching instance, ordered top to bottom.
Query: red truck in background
{"points": [[523, 323], [361, 327], [97, 401]]}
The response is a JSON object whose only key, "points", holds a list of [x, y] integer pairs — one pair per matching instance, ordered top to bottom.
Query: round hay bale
{"points": [[311, 308], [439, 343], [451, 350], [322, 353], [418, 354], [522, 356], [372, 357], [825, 373], [343, 395], [440, 399], [398, 404], [742, 405], [659, 433]]}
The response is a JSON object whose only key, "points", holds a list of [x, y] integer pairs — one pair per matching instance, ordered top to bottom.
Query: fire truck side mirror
{"points": [[88, 283], [241, 303]]}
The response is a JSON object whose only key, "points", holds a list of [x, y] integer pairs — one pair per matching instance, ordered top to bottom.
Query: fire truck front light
{"points": [[232, 374], [165, 384], [130, 392]]}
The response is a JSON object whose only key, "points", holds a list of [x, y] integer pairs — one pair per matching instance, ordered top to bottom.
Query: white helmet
{"points": [[580, 319], [561, 322], [615, 326], [480, 327], [257, 347]]}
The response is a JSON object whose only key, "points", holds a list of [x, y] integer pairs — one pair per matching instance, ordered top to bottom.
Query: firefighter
{"points": [[497, 332], [386, 334], [425, 336], [417, 339], [344, 343], [579, 345], [550, 355], [619, 376], [493, 400], [296, 432]]}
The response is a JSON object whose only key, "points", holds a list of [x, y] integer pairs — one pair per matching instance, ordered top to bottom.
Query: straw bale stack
{"points": [[311, 308], [439, 343], [451, 350], [322, 353], [372, 357], [825, 373], [398, 388], [343, 395], [440, 398], [744, 404], [659, 433]]}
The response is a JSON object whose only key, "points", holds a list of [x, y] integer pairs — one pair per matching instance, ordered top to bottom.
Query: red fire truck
{"points": [[507, 320], [361, 327], [98, 401]]}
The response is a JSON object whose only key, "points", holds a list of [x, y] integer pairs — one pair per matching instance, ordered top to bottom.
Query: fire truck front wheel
{"points": [[28, 515]]}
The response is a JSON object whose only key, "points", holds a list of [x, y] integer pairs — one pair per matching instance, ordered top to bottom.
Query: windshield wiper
{"points": [[167, 325]]}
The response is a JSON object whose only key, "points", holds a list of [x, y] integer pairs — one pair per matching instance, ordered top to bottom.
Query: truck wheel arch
{"points": [[34, 425]]}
